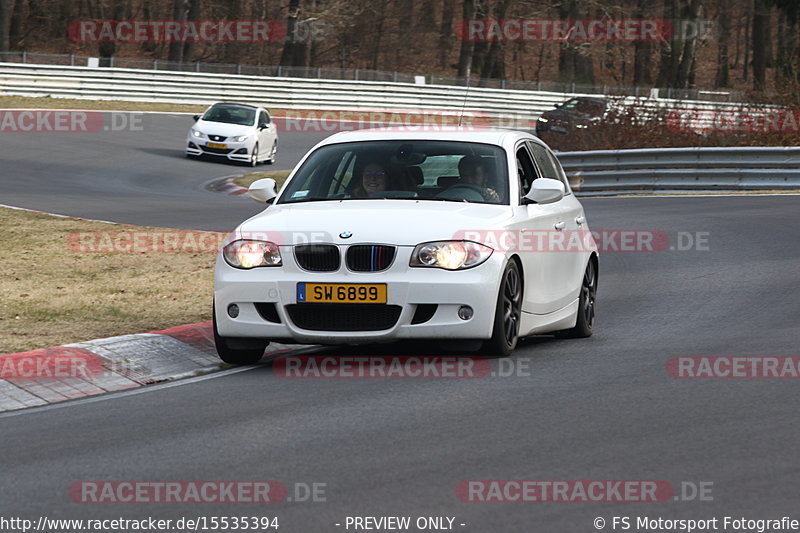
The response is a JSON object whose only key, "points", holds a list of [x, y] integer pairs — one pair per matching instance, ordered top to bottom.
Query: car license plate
{"points": [[221, 146], [361, 293]]}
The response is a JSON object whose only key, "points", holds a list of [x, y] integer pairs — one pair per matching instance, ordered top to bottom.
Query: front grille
{"points": [[217, 138], [217, 150], [317, 257], [369, 257], [344, 317]]}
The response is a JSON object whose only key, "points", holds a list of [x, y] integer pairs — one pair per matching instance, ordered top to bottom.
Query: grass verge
{"points": [[51, 294]]}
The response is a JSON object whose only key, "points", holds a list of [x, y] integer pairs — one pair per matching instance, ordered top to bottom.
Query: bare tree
{"points": [[180, 11], [5, 24], [761, 43], [467, 45], [574, 64]]}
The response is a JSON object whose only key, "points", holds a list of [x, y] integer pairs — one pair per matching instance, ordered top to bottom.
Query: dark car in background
{"points": [[574, 114]]}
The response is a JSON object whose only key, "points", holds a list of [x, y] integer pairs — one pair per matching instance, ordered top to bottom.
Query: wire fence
{"points": [[327, 73]]}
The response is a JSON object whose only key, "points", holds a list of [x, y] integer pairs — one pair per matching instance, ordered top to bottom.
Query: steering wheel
{"points": [[463, 191]]}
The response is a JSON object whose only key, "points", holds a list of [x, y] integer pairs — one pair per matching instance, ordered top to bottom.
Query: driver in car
{"points": [[474, 171], [374, 178]]}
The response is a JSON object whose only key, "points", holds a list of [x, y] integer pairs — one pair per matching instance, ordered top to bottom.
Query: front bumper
{"points": [[234, 151], [407, 288]]}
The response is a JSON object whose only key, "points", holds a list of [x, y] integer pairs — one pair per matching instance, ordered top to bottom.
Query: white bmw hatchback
{"points": [[237, 132], [381, 235]]}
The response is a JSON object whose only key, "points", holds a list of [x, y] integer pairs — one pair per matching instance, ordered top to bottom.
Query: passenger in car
{"points": [[473, 171]]}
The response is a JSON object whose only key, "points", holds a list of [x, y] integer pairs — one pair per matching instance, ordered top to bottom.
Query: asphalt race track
{"points": [[137, 175], [603, 408]]}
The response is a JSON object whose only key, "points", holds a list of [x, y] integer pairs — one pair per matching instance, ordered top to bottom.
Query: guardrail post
{"points": [[25, 57], [72, 60], [155, 64], [197, 67], [356, 75]]}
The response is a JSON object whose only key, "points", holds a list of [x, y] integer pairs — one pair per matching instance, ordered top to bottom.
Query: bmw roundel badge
{"points": [[345, 235]]}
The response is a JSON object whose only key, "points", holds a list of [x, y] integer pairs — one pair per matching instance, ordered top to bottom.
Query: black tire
{"points": [[273, 154], [254, 158], [507, 314], [584, 325], [238, 351]]}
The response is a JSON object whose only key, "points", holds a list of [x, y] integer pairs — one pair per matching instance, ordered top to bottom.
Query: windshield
{"points": [[589, 107], [245, 116], [408, 170]]}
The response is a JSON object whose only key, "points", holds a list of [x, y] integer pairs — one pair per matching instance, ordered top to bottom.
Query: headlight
{"points": [[543, 120], [196, 133], [240, 138], [251, 254], [450, 255]]}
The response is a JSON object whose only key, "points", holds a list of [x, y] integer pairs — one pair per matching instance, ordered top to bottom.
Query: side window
{"points": [[263, 117], [548, 165], [525, 170]]}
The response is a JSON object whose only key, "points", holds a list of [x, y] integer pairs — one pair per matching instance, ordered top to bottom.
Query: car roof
{"points": [[234, 104], [497, 136]]}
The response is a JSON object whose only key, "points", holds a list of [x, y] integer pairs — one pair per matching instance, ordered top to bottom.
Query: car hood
{"points": [[221, 128], [399, 222]]}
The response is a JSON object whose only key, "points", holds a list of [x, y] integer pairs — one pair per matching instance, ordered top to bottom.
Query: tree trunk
{"points": [[180, 11], [691, 12], [194, 14], [5, 25], [445, 33], [760, 43], [467, 47], [642, 51], [670, 57], [494, 62], [573, 65], [723, 76]]}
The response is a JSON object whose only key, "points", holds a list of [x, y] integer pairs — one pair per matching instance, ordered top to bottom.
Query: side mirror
{"points": [[557, 105], [196, 118], [262, 126], [262, 191], [545, 191]]}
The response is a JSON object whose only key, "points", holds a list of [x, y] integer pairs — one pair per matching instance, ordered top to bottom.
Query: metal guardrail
{"points": [[360, 74], [291, 93], [505, 108], [740, 168]]}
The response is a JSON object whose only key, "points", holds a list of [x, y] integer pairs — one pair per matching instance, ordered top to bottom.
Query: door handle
{"points": [[580, 220], [559, 225]]}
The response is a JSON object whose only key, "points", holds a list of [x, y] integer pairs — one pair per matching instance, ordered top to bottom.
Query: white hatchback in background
{"points": [[238, 132], [433, 253]]}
